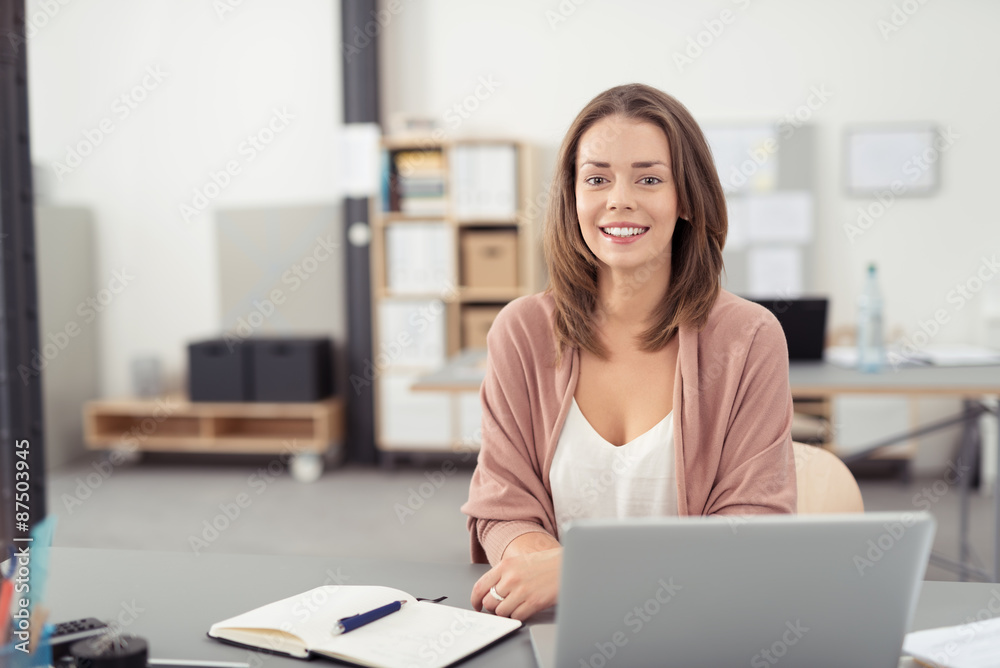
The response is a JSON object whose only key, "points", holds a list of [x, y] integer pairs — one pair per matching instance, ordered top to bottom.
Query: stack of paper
{"points": [[931, 355], [960, 355], [972, 645]]}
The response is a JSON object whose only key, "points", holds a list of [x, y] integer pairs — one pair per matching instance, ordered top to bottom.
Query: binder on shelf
{"points": [[484, 180], [416, 182], [418, 258], [411, 333], [470, 418], [415, 419]]}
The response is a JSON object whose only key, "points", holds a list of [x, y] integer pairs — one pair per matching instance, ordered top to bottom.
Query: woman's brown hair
{"points": [[698, 239]]}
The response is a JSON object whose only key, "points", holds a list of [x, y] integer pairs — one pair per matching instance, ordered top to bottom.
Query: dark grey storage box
{"points": [[292, 368], [220, 370]]}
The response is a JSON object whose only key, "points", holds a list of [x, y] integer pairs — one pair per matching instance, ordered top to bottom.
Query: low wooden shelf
{"points": [[308, 433]]}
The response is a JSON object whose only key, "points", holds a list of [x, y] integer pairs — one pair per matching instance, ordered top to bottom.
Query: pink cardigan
{"points": [[733, 439]]}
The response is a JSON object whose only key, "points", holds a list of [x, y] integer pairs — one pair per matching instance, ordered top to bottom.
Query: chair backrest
{"points": [[825, 484]]}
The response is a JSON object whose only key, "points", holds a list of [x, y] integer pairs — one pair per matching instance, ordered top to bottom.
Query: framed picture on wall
{"points": [[900, 158]]}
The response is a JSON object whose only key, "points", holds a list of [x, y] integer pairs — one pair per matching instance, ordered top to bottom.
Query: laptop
{"points": [[804, 323], [799, 591]]}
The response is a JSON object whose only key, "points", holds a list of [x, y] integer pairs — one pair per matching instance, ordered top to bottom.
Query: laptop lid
{"points": [[804, 322], [802, 591]]}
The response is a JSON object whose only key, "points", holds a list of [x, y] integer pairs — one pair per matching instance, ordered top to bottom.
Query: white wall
{"points": [[940, 66], [937, 67], [223, 75]]}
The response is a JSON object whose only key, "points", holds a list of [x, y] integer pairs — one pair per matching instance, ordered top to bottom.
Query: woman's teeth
{"points": [[623, 231]]}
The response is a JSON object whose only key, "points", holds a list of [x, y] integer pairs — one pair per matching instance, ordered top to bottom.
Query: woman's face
{"points": [[626, 199]]}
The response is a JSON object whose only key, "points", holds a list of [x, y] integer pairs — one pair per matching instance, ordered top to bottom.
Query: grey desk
{"points": [[821, 379], [826, 379], [171, 599]]}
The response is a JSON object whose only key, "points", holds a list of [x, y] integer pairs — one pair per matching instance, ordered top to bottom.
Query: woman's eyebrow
{"points": [[645, 164]]}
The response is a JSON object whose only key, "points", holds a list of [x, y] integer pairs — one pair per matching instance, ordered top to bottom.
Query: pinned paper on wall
{"points": [[746, 157], [901, 159], [359, 164], [780, 217], [736, 237], [774, 272]]}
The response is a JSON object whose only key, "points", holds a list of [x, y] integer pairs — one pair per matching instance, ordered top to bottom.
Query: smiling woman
{"points": [[634, 385]]}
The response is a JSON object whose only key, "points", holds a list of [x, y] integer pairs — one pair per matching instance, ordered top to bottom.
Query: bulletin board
{"points": [[901, 159], [767, 174]]}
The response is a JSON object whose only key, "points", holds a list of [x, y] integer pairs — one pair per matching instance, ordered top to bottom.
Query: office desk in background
{"points": [[968, 383], [172, 598]]}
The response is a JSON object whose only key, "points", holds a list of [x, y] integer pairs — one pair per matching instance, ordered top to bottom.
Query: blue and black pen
{"points": [[346, 624]]}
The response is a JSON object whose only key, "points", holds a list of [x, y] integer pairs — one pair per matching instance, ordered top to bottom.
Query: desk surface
{"points": [[465, 372], [823, 379], [171, 598]]}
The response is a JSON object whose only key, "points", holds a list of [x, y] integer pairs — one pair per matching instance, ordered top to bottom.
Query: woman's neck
{"points": [[628, 299]]}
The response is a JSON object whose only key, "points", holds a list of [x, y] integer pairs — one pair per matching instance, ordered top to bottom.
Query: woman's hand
{"points": [[527, 578]]}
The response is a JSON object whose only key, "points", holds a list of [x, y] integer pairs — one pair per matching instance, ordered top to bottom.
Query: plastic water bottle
{"points": [[871, 350]]}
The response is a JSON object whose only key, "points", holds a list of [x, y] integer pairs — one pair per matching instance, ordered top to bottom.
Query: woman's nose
{"points": [[620, 197]]}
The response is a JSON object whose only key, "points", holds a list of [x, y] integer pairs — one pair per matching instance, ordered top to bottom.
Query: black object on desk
{"points": [[804, 322], [110, 652]]}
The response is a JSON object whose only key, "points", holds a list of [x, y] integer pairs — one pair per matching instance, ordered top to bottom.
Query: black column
{"points": [[359, 54], [21, 420]]}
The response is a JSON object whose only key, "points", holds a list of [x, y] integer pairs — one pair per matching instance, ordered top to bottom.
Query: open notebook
{"points": [[421, 634]]}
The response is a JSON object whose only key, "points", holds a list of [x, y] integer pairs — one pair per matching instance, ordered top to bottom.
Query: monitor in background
{"points": [[804, 323]]}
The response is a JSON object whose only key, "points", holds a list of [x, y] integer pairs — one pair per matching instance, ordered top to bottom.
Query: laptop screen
{"points": [[804, 323]]}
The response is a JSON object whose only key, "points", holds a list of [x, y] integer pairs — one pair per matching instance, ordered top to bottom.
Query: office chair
{"points": [[825, 485]]}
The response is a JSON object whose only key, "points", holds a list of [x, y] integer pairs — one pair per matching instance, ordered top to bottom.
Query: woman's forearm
{"points": [[534, 541]]}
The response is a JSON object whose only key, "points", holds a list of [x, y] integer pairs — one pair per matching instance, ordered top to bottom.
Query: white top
{"points": [[593, 478]]}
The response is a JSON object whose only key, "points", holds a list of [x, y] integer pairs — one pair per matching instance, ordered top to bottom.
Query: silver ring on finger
{"points": [[494, 594]]}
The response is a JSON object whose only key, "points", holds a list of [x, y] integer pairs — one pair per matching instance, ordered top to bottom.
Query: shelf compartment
{"points": [[178, 425], [114, 427], [249, 427]]}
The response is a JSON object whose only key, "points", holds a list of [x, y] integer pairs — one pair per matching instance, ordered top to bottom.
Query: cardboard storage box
{"points": [[489, 259], [476, 321]]}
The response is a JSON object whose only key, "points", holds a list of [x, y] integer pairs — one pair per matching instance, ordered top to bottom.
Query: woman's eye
{"points": [[596, 180], [650, 181]]}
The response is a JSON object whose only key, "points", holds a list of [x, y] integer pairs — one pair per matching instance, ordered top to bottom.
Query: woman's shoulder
{"points": [[530, 315], [733, 316], [524, 328]]}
